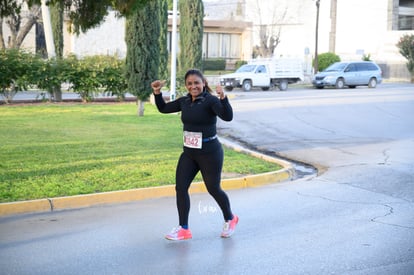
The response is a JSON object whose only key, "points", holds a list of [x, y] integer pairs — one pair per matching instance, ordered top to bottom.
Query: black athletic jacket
{"points": [[200, 115]]}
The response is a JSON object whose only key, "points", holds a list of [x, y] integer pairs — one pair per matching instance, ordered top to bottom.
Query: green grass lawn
{"points": [[50, 150]]}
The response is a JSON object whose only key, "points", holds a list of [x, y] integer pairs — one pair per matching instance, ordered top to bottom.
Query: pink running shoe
{"points": [[229, 227], [178, 234]]}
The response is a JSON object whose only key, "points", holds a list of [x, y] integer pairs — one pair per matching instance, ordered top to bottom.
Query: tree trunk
{"points": [[31, 20], [13, 21], [18, 33], [2, 44], [57, 94], [141, 107]]}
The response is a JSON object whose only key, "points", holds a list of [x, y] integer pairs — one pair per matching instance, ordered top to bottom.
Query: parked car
{"points": [[265, 74], [351, 74]]}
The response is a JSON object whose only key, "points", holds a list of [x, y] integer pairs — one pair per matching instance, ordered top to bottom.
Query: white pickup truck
{"points": [[264, 74]]}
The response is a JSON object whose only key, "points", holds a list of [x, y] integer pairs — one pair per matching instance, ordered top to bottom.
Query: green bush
{"points": [[406, 48], [366, 57], [327, 59], [240, 63], [214, 64], [17, 72], [51, 74], [94, 74], [87, 76], [113, 76], [83, 77]]}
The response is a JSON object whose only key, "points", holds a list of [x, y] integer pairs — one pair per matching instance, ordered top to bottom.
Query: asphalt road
{"points": [[355, 217]]}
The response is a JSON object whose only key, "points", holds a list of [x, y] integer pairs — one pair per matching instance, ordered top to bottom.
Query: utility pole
{"points": [[332, 36], [173, 52], [316, 64]]}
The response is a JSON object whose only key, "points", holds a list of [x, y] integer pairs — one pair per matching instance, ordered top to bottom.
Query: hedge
{"points": [[214, 64], [86, 76]]}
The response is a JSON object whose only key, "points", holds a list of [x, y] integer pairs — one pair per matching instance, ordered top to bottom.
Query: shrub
{"points": [[406, 48], [366, 57], [327, 59], [240, 63], [214, 64], [17, 72], [51, 74], [93, 74], [87, 76], [112, 76], [82, 77]]}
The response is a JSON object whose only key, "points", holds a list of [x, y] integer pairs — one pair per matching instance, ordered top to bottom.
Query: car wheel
{"points": [[372, 82], [340, 84], [247, 85], [283, 85], [228, 88]]}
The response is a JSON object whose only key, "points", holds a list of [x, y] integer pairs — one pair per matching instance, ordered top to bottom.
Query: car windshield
{"points": [[336, 67], [246, 69]]}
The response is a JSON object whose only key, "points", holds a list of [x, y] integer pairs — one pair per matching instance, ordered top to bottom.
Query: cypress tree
{"points": [[56, 18], [191, 34], [142, 59], [163, 67]]}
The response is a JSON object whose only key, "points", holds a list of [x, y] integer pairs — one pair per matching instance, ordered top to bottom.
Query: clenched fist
{"points": [[157, 85], [220, 92]]}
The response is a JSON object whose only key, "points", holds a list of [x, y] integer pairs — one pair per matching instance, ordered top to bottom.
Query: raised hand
{"points": [[157, 85], [220, 92]]}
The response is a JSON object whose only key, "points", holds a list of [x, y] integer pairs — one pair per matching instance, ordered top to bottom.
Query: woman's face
{"points": [[194, 85]]}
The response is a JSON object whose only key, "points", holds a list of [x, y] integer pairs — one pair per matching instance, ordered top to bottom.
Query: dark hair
{"points": [[199, 74]]}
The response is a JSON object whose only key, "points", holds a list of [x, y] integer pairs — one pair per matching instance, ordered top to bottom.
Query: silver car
{"points": [[351, 74]]}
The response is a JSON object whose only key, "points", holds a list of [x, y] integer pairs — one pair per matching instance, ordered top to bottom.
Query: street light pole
{"points": [[173, 52], [316, 64]]}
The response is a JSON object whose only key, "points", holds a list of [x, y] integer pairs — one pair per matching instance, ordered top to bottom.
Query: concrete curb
{"points": [[81, 201]]}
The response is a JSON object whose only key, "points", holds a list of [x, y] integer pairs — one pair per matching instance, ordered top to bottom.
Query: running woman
{"points": [[202, 150]]}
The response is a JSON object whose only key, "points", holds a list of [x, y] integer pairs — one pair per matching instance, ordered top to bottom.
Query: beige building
{"points": [[230, 40]]}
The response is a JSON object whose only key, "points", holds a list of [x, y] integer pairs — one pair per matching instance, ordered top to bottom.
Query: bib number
{"points": [[193, 139]]}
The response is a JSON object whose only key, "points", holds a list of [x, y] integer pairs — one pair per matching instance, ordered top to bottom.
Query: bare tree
{"points": [[19, 23], [269, 33]]}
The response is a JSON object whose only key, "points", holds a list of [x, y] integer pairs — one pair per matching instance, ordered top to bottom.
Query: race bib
{"points": [[193, 139]]}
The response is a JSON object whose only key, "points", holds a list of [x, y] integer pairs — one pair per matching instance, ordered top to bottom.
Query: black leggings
{"points": [[210, 165]]}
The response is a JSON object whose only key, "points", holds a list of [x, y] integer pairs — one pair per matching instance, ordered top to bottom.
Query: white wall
{"points": [[296, 20], [361, 27], [107, 39]]}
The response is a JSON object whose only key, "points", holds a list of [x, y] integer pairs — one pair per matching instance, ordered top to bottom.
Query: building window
{"points": [[402, 14], [213, 45], [216, 45], [221, 45], [225, 45], [235, 46]]}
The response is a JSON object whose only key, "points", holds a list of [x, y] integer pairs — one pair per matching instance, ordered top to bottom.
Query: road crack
{"points": [[314, 126], [386, 157], [374, 219]]}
